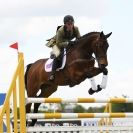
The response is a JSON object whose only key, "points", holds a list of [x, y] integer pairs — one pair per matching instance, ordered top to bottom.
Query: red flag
{"points": [[15, 46]]}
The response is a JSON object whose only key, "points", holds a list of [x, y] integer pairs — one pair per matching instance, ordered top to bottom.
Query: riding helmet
{"points": [[68, 18]]}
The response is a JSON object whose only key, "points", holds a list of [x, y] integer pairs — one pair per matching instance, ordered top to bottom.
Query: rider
{"points": [[64, 35]]}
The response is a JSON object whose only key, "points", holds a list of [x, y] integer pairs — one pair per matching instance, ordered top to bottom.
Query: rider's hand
{"points": [[71, 43], [52, 56]]}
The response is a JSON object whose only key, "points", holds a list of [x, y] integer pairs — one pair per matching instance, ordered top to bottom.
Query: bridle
{"points": [[97, 47]]}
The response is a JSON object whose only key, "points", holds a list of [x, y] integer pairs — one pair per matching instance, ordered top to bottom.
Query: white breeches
{"points": [[55, 51]]}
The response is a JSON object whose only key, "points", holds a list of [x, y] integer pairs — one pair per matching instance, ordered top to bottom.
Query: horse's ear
{"points": [[101, 34], [108, 35]]}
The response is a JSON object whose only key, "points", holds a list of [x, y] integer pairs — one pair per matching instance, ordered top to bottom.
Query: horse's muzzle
{"points": [[102, 63], [102, 66]]}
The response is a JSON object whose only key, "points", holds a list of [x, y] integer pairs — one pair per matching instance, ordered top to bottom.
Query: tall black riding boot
{"points": [[54, 67]]}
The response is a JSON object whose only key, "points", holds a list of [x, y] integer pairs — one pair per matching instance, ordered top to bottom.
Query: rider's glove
{"points": [[71, 43]]}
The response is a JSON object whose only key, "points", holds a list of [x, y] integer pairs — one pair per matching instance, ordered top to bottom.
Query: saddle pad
{"points": [[49, 63]]}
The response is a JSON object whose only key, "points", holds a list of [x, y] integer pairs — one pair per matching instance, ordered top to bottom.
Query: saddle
{"points": [[61, 61]]}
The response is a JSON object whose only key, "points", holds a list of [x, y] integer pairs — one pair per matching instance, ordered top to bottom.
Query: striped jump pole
{"points": [[79, 100], [77, 115], [81, 129]]}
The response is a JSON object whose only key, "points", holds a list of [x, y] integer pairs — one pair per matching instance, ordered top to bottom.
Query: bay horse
{"points": [[79, 66]]}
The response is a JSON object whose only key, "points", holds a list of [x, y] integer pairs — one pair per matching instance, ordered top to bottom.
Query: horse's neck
{"points": [[85, 48], [82, 52], [79, 55]]}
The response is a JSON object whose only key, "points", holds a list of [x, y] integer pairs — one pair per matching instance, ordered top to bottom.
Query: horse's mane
{"points": [[88, 34], [80, 39]]}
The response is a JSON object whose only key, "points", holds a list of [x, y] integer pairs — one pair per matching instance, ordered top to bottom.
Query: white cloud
{"points": [[27, 8], [86, 24], [25, 30], [8, 63]]}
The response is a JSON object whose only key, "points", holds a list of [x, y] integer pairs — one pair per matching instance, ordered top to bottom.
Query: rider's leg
{"points": [[55, 54], [54, 67]]}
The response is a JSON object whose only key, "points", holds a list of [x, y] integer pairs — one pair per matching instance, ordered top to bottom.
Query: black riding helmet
{"points": [[68, 18]]}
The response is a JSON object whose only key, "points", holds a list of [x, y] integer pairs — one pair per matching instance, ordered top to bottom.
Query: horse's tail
{"points": [[26, 73]]}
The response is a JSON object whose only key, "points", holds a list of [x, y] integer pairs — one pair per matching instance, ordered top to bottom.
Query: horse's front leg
{"points": [[104, 79], [96, 88]]}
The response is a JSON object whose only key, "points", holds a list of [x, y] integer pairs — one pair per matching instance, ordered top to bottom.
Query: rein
{"points": [[70, 47]]}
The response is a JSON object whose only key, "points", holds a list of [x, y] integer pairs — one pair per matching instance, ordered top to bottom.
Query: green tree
{"points": [[79, 109], [95, 109]]}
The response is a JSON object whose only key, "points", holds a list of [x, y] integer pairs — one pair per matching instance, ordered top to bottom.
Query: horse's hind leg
{"points": [[32, 89], [45, 92], [36, 106], [28, 108]]}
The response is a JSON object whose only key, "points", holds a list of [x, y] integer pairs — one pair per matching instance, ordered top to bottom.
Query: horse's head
{"points": [[93, 42], [100, 46]]}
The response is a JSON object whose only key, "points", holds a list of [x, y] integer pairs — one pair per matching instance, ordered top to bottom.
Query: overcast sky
{"points": [[31, 22]]}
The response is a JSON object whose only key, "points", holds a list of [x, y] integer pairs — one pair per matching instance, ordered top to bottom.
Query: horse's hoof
{"points": [[98, 88], [91, 92], [30, 124]]}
